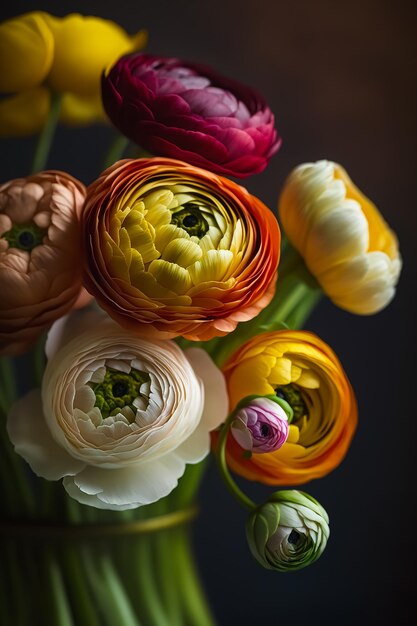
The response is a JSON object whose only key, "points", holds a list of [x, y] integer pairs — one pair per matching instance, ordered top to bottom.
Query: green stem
{"points": [[46, 136], [116, 150], [296, 295], [224, 470], [147, 583], [194, 602], [59, 611]]}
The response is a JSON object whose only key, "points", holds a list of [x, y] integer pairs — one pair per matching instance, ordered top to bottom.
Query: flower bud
{"points": [[261, 425], [288, 532]]}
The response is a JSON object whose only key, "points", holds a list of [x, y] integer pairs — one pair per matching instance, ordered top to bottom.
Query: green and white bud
{"points": [[288, 532]]}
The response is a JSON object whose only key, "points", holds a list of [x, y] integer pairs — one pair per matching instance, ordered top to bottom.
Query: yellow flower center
{"points": [[169, 239]]}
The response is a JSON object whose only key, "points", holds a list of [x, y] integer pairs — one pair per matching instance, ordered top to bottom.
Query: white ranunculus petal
{"points": [[216, 401], [33, 441], [140, 484]]}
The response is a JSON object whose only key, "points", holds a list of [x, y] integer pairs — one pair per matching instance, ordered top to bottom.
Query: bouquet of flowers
{"points": [[154, 317]]}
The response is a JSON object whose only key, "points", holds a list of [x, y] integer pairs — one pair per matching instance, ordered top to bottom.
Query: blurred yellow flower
{"points": [[84, 47], [26, 52], [41, 54], [24, 113], [345, 242]]}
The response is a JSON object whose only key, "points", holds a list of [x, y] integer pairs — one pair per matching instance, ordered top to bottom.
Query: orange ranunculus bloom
{"points": [[171, 249], [40, 255], [299, 367]]}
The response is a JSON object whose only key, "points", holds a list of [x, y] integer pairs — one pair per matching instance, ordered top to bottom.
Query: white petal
{"points": [[71, 326], [216, 401], [33, 441], [197, 446], [128, 487]]}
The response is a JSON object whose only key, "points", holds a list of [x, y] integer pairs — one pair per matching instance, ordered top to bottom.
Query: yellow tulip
{"points": [[84, 47], [26, 52], [25, 113], [345, 242]]}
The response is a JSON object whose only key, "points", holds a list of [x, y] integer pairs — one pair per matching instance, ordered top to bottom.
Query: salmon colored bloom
{"points": [[42, 54], [345, 242], [172, 250], [40, 256], [300, 368]]}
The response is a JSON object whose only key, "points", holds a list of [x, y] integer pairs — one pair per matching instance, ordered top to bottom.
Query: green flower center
{"points": [[191, 220], [25, 236], [118, 390], [291, 394]]}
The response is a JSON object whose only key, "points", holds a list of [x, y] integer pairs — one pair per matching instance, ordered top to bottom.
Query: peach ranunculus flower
{"points": [[41, 54], [345, 242], [171, 249], [40, 255], [301, 369], [119, 416]]}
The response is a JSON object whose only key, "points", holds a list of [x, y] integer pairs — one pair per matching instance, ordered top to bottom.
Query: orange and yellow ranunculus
{"points": [[67, 55], [345, 242], [171, 249], [299, 367]]}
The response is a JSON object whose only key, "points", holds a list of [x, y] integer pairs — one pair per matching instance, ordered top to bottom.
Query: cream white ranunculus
{"points": [[343, 239], [118, 417]]}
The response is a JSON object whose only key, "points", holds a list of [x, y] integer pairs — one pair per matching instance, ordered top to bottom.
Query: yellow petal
{"points": [[84, 48], [26, 52], [80, 111], [25, 113], [183, 252], [212, 267], [171, 276], [281, 373], [293, 434]]}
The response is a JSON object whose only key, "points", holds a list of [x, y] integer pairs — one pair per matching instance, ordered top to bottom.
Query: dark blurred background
{"points": [[340, 78]]}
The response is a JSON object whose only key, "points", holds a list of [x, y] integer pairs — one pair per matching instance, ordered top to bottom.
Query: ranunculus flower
{"points": [[26, 52], [40, 53], [189, 112], [345, 242], [173, 250], [40, 255], [300, 368], [119, 417], [260, 425], [288, 532]]}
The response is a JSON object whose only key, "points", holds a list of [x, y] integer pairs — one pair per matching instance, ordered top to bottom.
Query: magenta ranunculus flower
{"points": [[186, 111], [261, 425]]}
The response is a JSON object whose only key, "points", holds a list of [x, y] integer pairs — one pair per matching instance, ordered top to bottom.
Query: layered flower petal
{"points": [[186, 111], [342, 237], [174, 250], [40, 256], [300, 368], [120, 416], [289, 532]]}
